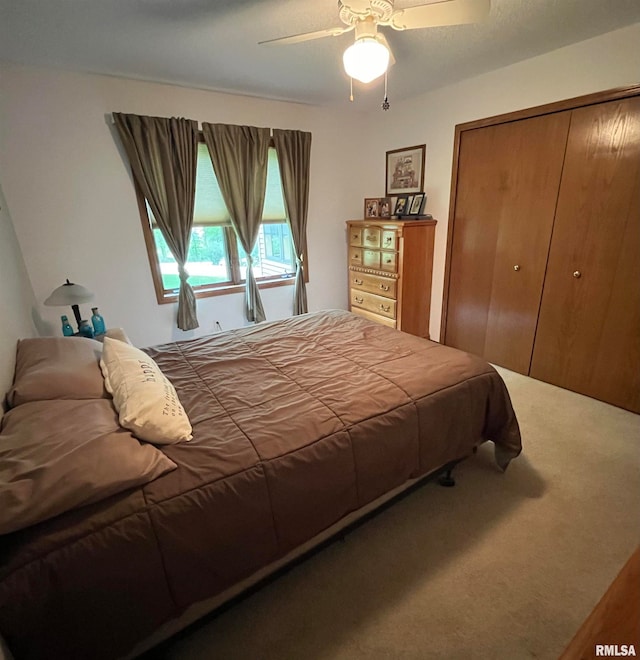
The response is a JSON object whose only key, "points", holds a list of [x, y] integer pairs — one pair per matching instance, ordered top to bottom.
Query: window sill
{"points": [[223, 290]]}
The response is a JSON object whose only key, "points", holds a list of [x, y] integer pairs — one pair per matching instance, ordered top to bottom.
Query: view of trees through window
{"points": [[208, 263]]}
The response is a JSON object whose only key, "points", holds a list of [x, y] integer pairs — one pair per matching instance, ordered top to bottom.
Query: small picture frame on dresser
{"points": [[417, 204], [371, 207], [384, 207], [401, 207]]}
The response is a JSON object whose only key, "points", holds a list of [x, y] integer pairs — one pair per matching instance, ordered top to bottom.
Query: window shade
{"points": [[273, 199], [210, 209]]}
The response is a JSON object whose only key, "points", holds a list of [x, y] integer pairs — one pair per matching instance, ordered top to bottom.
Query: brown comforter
{"points": [[296, 424]]}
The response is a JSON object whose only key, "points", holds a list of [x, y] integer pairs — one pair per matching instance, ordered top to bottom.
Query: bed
{"points": [[300, 427]]}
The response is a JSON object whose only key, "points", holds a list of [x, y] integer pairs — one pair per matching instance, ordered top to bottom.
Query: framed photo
{"points": [[405, 170], [417, 204], [401, 206], [371, 207], [384, 207]]}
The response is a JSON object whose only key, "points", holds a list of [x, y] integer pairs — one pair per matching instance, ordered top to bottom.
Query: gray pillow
{"points": [[57, 368], [59, 455]]}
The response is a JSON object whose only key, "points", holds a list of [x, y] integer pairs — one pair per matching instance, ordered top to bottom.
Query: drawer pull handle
{"points": [[355, 236], [371, 239], [388, 240], [356, 256], [388, 261], [516, 268], [577, 274], [358, 282], [384, 287], [359, 300], [385, 309]]}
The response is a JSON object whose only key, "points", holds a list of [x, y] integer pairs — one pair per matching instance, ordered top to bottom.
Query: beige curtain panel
{"points": [[163, 155], [294, 155], [239, 156]]}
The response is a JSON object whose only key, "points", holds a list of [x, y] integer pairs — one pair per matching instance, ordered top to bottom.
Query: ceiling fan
{"points": [[368, 57]]}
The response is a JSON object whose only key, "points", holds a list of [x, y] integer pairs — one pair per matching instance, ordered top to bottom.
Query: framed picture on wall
{"points": [[405, 170]]}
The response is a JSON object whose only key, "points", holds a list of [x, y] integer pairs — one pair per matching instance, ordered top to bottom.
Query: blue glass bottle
{"points": [[97, 322], [67, 330]]}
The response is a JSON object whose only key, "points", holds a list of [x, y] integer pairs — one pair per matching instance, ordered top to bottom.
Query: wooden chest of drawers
{"points": [[390, 268]]}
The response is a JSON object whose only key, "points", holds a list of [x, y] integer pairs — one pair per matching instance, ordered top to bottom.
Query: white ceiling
{"points": [[213, 44]]}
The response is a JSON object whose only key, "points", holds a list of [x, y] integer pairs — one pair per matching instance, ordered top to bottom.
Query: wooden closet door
{"points": [[506, 193], [588, 337]]}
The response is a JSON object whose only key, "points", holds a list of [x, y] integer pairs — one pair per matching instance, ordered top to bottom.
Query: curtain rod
{"points": [[112, 121]]}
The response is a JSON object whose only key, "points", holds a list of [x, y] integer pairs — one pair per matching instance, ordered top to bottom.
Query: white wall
{"points": [[608, 61], [74, 207], [17, 302]]}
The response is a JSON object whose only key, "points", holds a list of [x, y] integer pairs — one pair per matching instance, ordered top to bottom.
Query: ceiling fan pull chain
{"points": [[351, 95], [385, 103]]}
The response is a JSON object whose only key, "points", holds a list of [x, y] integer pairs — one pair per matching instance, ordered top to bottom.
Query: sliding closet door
{"points": [[506, 193], [588, 337]]}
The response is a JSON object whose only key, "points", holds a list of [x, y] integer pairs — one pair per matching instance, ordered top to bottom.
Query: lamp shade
{"points": [[366, 59], [69, 294]]}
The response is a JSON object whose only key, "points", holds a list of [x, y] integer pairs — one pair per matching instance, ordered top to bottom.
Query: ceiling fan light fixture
{"points": [[366, 59]]}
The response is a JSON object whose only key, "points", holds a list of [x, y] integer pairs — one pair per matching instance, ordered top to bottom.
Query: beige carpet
{"points": [[501, 566]]}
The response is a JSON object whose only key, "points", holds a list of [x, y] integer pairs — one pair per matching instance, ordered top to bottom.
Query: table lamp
{"points": [[70, 294]]}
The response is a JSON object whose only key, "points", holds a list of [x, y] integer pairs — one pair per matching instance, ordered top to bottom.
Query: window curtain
{"points": [[294, 153], [163, 155], [239, 156]]}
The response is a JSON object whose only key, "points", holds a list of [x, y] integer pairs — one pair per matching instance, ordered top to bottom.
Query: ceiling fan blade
{"points": [[446, 12], [308, 36], [383, 40]]}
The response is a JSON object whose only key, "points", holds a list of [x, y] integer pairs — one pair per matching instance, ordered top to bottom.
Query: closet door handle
{"points": [[516, 268], [577, 274]]}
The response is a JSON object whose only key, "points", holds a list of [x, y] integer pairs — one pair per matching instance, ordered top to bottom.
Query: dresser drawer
{"points": [[355, 236], [371, 237], [388, 240], [355, 256], [371, 259], [389, 261], [383, 286], [372, 303], [374, 317]]}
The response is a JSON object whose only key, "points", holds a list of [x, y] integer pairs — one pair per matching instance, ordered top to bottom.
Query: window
{"points": [[277, 243], [216, 263]]}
